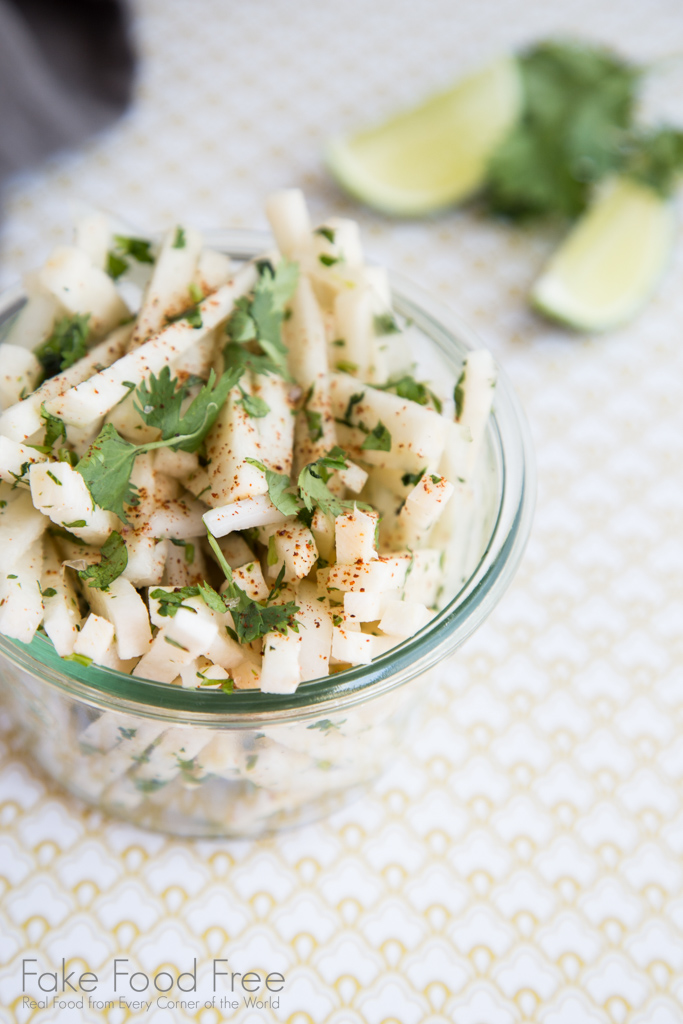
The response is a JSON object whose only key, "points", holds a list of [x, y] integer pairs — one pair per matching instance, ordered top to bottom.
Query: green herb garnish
{"points": [[578, 105], [257, 321], [386, 323], [65, 346], [407, 387], [459, 395], [254, 406], [54, 428], [378, 440], [108, 463], [412, 479], [278, 489], [189, 548], [114, 559]]}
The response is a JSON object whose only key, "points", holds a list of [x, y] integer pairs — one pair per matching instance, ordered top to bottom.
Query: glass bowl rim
{"points": [[107, 688]]}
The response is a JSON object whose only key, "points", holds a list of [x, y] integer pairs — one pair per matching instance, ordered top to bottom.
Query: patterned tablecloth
{"points": [[522, 861]]}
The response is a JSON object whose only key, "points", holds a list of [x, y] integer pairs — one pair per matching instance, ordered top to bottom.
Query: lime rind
{"points": [[435, 155], [611, 261]]}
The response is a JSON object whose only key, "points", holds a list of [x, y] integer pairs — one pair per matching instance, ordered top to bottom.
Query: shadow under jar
{"points": [[201, 763]]}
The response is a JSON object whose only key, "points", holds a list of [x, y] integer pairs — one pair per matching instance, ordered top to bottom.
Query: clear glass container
{"points": [[200, 763]]}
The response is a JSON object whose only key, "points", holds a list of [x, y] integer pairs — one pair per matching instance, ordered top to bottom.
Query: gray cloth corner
{"points": [[66, 71]]}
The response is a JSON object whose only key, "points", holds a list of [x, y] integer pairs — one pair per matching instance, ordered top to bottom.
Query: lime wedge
{"points": [[436, 154], [611, 261]]}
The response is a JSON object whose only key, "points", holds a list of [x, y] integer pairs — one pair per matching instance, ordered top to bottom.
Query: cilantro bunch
{"points": [[576, 127]]}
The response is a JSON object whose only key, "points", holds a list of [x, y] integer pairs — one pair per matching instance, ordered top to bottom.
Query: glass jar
{"points": [[206, 763]]}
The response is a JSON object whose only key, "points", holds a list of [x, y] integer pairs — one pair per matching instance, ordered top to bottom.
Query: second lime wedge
{"points": [[435, 155], [610, 262]]}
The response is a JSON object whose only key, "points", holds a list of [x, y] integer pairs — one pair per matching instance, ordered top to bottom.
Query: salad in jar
{"points": [[223, 476]]}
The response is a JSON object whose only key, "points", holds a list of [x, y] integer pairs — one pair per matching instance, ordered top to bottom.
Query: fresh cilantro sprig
{"points": [[578, 107], [257, 321], [65, 345], [159, 403], [108, 463], [313, 480], [113, 561], [171, 601], [253, 619]]}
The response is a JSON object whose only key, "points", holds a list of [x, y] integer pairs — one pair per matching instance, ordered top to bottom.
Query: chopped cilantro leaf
{"points": [[325, 232], [179, 240], [138, 248], [328, 261], [116, 265], [196, 294], [259, 320], [386, 323], [65, 346], [346, 366], [407, 387], [459, 395], [354, 400], [254, 406], [314, 420], [54, 428], [378, 440], [66, 455], [106, 468], [412, 479], [313, 483], [278, 489], [77, 524], [189, 548], [271, 557], [114, 559], [49, 592], [211, 598], [171, 601], [253, 619], [174, 643]]}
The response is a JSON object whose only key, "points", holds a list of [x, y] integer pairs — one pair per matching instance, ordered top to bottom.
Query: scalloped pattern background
{"points": [[523, 860]]}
